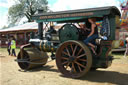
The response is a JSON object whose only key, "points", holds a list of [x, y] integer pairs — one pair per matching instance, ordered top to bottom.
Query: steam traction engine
{"points": [[73, 58]]}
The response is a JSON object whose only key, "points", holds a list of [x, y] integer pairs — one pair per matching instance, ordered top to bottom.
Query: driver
{"points": [[93, 33]]}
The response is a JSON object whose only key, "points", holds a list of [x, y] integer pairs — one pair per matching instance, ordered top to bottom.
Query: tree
{"points": [[25, 8], [4, 27]]}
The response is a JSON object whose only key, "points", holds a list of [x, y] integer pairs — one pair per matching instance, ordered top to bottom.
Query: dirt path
{"points": [[11, 74]]}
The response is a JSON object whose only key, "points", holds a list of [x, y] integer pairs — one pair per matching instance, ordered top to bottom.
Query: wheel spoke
{"points": [[71, 47], [74, 51], [79, 51], [68, 52], [65, 53], [80, 56], [64, 58], [82, 60], [64, 62], [67, 65], [80, 65], [73, 67], [79, 68]]}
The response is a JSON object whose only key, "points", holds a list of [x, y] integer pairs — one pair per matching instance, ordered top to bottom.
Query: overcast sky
{"points": [[59, 5]]}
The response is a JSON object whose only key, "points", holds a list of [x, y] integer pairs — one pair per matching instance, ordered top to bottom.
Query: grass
{"points": [[5, 52], [118, 54]]}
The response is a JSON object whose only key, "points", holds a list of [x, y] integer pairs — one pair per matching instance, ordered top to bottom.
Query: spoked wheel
{"points": [[73, 59]]}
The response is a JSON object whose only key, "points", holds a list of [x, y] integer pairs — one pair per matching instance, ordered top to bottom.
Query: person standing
{"points": [[0, 43], [13, 46], [9, 47], [126, 51]]}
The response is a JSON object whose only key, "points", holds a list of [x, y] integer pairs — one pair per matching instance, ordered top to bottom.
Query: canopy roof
{"points": [[76, 14], [23, 27], [26, 27]]}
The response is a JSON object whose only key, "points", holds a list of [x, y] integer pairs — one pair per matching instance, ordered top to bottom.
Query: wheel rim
{"points": [[73, 59], [23, 65]]}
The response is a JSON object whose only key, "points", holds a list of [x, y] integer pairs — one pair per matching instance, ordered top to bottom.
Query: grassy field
{"points": [[4, 51]]}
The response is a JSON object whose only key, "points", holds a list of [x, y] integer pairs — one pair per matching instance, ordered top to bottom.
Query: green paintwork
{"points": [[76, 14], [95, 14], [59, 19], [112, 27], [68, 32], [104, 56]]}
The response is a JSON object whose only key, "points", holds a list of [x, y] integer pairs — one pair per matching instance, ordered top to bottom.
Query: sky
{"points": [[58, 5]]}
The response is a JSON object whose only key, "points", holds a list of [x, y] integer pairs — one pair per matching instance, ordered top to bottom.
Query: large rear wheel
{"points": [[73, 59]]}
